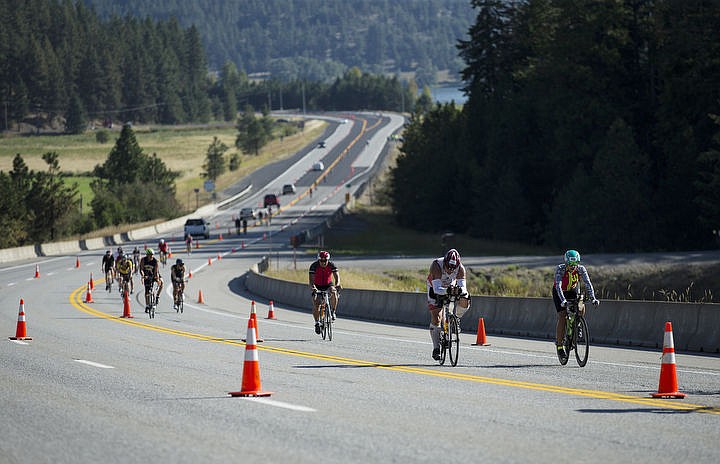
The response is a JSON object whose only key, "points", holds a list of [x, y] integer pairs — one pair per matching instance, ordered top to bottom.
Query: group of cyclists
{"points": [[122, 266], [446, 274]]}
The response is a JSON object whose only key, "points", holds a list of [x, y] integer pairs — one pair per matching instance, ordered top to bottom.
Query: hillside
{"points": [[317, 39]]}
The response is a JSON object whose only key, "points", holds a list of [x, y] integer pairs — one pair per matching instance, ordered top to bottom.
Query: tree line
{"points": [[318, 40], [62, 66], [588, 124]]}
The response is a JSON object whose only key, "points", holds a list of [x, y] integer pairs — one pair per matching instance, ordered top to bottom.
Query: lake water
{"points": [[448, 94]]}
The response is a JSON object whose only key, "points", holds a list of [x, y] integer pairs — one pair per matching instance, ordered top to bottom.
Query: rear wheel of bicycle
{"points": [[323, 324], [453, 340], [582, 341], [443, 346]]}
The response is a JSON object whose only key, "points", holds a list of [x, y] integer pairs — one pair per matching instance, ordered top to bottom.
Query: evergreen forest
{"points": [[589, 124]]}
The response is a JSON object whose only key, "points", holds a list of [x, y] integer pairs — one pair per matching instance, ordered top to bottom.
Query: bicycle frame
{"points": [[325, 315], [450, 331], [577, 334]]}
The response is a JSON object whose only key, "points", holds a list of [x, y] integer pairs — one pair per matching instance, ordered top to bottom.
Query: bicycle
{"points": [[163, 257], [109, 280], [125, 286], [179, 297], [150, 299], [326, 322], [450, 330], [577, 334]]}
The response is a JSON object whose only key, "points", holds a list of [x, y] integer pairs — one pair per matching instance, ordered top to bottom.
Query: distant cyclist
{"points": [[188, 243], [163, 248], [136, 259], [108, 267], [125, 270], [150, 272], [445, 272], [322, 273], [177, 276], [567, 278]]}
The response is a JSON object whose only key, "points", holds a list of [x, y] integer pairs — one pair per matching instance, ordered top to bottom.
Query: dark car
{"points": [[271, 199]]}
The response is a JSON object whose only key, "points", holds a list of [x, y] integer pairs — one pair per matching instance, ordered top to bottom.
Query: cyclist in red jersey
{"points": [[322, 273]]}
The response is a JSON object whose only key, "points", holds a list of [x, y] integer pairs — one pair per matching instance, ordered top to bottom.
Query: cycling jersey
{"points": [[163, 247], [108, 262], [125, 267], [148, 267], [177, 273], [322, 276], [567, 281]]}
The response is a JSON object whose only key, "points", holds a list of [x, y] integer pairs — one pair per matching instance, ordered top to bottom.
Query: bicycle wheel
{"points": [[182, 301], [323, 324], [329, 325], [453, 340], [582, 341], [443, 345]]}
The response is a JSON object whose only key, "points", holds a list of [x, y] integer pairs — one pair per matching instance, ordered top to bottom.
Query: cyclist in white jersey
{"points": [[445, 272]]}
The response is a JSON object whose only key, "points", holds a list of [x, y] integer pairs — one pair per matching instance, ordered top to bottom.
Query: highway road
{"points": [[91, 386]]}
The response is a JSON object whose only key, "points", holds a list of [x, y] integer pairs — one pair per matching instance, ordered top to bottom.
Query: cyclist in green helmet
{"points": [[566, 287]]}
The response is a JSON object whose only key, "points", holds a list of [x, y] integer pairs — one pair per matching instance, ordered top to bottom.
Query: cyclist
{"points": [[188, 243], [163, 247], [118, 257], [136, 259], [108, 267], [125, 270], [150, 272], [445, 272], [322, 273], [177, 276], [567, 278]]}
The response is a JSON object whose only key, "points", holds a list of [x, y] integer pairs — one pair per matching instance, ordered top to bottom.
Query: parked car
{"points": [[321, 144], [319, 166], [288, 189], [270, 199], [247, 213], [197, 227]]}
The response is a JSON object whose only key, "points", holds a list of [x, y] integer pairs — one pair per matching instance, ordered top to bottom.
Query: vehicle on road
{"points": [[321, 144], [319, 166], [288, 189], [270, 199], [247, 213], [197, 227]]}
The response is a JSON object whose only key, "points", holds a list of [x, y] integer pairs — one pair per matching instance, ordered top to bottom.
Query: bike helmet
{"points": [[162, 240], [120, 250], [108, 252], [149, 252], [324, 256], [572, 258], [452, 259], [179, 262]]}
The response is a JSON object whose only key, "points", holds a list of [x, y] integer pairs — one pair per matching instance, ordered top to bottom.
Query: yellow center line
{"points": [[77, 302]]}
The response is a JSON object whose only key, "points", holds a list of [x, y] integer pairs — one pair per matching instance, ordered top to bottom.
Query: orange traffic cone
{"points": [[220, 237], [197, 243], [242, 244], [219, 257], [77, 262], [209, 262], [37, 271], [189, 274], [92, 282], [88, 295], [200, 297], [126, 306], [271, 311], [253, 316], [21, 331], [481, 338], [251, 368], [668, 387]]}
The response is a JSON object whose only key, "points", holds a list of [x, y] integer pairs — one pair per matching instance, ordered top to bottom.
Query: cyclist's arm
{"points": [[559, 272], [336, 275], [435, 275], [586, 278]]}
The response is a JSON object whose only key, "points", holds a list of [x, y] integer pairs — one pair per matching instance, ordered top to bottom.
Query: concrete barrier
{"points": [[144, 232], [93, 243], [60, 248], [17, 253], [696, 326]]}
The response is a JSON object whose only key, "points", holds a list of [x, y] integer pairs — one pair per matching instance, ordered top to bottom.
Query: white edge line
{"points": [[94, 364], [279, 404]]}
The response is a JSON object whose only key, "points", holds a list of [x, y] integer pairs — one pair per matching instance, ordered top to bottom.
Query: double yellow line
{"points": [[649, 403]]}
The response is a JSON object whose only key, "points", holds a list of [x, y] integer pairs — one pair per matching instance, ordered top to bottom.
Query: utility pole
{"points": [[303, 96]]}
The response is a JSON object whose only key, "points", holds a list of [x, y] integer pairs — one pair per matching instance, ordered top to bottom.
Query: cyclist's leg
{"points": [[160, 287], [334, 298], [316, 312], [435, 315], [560, 325]]}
